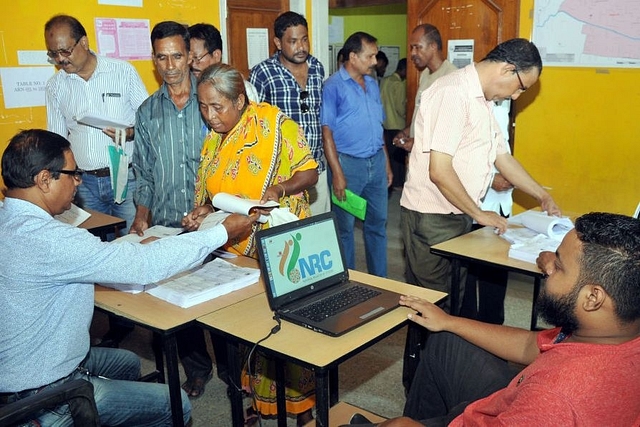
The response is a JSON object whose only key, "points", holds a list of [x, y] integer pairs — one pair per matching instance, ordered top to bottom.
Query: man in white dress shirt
{"points": [[87, 83]]}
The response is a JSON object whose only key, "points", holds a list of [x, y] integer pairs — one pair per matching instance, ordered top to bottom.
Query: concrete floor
{"points": [[372, 379]]}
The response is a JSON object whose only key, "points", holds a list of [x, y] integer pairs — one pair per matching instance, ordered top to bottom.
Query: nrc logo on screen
{"points": [[314, 264], [296, 267]]}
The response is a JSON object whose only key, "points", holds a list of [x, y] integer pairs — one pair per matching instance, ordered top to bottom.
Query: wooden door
{"points": [[243, 14], [488, 22]]}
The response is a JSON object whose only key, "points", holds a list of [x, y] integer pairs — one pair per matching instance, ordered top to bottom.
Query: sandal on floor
{"points": [[194, 387], [250, 417]]}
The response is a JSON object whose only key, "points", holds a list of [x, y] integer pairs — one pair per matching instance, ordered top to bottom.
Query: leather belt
{"points": [[101, 173]]}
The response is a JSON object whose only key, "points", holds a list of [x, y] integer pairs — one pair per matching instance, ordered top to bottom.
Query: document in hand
{"points": [[102, 122], [234, 204], [540, 232], [208, 281]]}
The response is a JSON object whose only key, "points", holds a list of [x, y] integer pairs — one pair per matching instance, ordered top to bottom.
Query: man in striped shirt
{"points": [[91, 84], [169, 135], [457, 140]]}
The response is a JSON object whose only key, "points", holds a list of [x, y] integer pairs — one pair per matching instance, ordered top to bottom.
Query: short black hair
{"points": [[286, 20], [77, 29], [165, 29], [207, 33], [431, 34], [354, 43], [521, 53], [382, 56], [402, 65], [29, 152], [611, 258]]}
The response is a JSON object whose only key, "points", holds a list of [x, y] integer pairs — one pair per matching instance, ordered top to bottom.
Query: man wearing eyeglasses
{"points": [[206, 50], [292, 80], [87, 83], [457, 140], [47, 300]]}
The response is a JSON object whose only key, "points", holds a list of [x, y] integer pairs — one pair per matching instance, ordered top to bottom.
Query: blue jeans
{"points": [[368, 179], [97, 194], [120, 398]]}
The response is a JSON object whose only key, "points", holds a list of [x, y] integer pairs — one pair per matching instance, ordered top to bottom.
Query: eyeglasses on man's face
{"points": [[53, 54], [197, 59], [515, 70], [304, 107], [76, 174]]}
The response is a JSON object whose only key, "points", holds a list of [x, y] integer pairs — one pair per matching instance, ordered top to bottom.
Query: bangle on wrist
{"points": [[284, 191]]}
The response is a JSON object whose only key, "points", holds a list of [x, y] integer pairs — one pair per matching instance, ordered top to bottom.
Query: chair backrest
{"points": [[77, 393]]}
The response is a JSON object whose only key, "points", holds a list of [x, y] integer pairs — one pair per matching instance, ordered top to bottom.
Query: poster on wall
{"points": [[131, 3], [588, 33], [126, 39], [257, 45], [460, 52], [24, 86]]}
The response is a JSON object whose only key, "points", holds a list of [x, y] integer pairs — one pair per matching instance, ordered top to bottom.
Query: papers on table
{"points": [[102, 122], [74, 216], [158, 231], [539, 232], [204, 283]]}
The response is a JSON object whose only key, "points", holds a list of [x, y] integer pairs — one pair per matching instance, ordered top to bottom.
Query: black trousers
{"points": [[451, 374]]}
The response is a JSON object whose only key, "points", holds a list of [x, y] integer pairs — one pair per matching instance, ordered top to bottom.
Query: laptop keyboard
{"points": [[336, 303]]}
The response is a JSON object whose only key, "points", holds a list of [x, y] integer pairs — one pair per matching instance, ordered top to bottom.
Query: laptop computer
{"points": [[302, 265]]}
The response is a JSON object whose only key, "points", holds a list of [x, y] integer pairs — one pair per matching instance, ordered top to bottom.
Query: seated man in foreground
{"points": [[46, 287], [583, 372]]}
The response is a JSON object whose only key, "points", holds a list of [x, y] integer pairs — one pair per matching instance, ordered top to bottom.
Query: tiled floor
{"points": [[371, 379]]}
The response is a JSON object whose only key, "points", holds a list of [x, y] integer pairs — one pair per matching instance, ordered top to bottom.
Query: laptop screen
{"points": [[300, 257]]}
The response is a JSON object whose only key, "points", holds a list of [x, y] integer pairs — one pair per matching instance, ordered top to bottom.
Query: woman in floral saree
{"points": [[254, 151]]}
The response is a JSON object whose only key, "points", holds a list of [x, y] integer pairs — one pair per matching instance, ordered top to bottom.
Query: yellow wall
{"points": [[386, 23], [22, 28], [578, 132]]}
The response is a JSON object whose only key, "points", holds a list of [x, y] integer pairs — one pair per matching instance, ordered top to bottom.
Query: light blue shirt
{"points": [[353, 114], [46, 287]]}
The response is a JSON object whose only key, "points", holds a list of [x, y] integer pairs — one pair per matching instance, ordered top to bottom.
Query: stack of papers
{"points": [[539, 232], [204, 283]]}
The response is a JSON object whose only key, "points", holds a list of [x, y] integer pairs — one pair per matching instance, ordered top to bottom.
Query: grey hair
{"points": [[226, 80]]}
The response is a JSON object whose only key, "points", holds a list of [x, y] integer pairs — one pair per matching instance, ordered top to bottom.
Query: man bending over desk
{"points": [[46, 287], [583, 372]]}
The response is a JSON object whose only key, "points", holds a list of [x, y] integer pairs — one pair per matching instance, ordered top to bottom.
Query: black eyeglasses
{"points": [[62, 52], [198, 59], [515, 70], [304, 107], [76, 174]]}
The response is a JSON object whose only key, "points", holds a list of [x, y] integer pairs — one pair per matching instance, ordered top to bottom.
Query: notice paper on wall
{"points": [[24, 86]]}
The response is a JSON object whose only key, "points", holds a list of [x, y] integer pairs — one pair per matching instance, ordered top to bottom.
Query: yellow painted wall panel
{"points": [[22, 28], [578, 132]]}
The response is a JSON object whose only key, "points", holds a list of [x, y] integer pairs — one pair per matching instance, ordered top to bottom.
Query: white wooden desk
{"points": [[483, 246], [166, 319], [251, 320]]}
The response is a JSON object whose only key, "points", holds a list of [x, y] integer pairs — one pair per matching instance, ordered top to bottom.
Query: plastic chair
{"points": [[77, 393]]}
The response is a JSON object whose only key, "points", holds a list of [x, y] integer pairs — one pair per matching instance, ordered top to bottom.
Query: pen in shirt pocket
{"points": [[110, 95]]}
